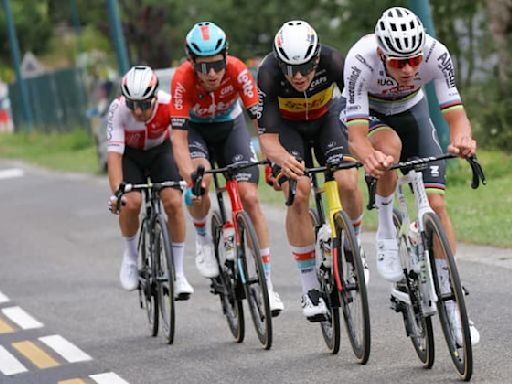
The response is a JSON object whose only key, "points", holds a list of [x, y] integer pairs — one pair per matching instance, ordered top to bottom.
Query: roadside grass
{"points": [[482, 216]]}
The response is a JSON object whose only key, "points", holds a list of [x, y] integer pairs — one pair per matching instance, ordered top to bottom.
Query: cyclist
{"points": [[297, 112], [388, 120], [210, 126], [138, 145]]}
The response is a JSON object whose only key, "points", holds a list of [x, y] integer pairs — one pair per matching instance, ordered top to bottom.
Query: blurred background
{"points": [[71, 52]]}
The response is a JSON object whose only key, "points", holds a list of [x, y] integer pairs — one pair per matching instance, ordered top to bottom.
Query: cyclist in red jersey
{"points": [[210, 126], [139, 145]]}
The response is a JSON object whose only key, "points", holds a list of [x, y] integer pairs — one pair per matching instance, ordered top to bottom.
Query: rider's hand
{"points": [[463, 146], [376, 163], [291, 167], [270, 179], [190, 198], [113, 206]]}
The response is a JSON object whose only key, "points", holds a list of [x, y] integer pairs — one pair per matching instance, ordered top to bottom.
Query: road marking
{"points": [[11, 173], [3, 298], [22, 318], [5, 328], [70, 352], [35, 354], [9, 365], [108, 378], [72, 381]]}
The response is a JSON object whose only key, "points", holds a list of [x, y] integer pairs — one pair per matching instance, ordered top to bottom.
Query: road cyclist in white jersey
{"points": [[387, 118], [138, 134]]}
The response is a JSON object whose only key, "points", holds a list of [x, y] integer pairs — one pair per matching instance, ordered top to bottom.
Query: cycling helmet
{"points": [[400, 33], [206, 39], [296, 43], [140, 83]]}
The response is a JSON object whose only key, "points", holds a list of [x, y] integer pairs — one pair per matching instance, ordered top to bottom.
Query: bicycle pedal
{"points": [[182, 297], [275, 313], [317, 318]]}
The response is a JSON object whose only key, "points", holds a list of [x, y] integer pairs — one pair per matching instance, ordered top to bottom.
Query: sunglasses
{"points": [[400, 63], [205, 67], [304, 69], [142, 104]]}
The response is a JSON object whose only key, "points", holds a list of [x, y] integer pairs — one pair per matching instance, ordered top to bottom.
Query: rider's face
{"points": [[210, 70], [403, 70], [299, 81], [140, 111]]}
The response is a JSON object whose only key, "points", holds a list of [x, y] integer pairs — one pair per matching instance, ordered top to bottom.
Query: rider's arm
{"points": [[461, 141], [115, 144], [182, 154]]}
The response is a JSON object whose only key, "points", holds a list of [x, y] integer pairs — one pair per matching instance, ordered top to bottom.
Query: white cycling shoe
{"points": [[205, 259], [388, 260], [129, 274], [182, 289], [274, 302], [313, 305], [454, 316]]}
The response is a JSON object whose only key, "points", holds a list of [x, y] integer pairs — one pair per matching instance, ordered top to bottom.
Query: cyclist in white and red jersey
{"points": [[298, 113], [388, 120], [210, 127], [139, 146]]}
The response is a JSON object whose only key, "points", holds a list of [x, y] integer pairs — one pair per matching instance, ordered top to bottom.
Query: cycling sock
{"points": [[200, 226], [358, 228], [386, 228], [130, 247], [177, 255], [305, 258], [265, 259], [444, 275]]}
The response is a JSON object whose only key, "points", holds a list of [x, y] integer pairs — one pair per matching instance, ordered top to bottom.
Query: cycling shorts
{"points": [[419, 139], [224, 143], [157, 162]]}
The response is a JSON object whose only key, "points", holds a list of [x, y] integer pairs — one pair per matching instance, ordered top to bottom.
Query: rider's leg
{"points": [[351, 198], [172, 202], [129, 225]]}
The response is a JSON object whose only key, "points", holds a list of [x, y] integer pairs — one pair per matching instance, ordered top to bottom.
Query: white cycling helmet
{"points": [[400, 33], [296, 43], [140, 83]]}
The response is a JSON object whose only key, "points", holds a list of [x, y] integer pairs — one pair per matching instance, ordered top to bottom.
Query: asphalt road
{"points": [[59, 259]]}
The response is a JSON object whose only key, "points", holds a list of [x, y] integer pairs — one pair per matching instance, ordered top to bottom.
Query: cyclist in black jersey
{"points": [[297, 113]]}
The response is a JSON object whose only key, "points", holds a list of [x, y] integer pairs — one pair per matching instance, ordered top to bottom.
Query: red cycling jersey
{"points": [[190, 100], [123, 129]]}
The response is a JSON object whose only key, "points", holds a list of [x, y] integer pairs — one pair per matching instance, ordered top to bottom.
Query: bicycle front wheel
{"points": [[251, 272], [349, 277], [165, 278], [225, 285], [147, 289], [451, 306], [331, 326], [417, 326]]}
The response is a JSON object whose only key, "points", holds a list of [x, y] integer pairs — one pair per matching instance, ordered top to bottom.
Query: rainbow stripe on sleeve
{"points": [[451, 105]]}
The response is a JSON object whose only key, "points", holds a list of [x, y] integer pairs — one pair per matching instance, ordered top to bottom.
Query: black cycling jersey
{"points": [[279, 100]]}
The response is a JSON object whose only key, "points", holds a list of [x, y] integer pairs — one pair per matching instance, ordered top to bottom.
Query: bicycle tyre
{"points": [[349, 270], [253, 276], [165, 278], [226, 284], [147, 290], [418, 327], [331, 328], [461, 355]]}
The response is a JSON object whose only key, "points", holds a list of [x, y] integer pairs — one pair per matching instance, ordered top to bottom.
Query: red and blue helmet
{"points": [[206, 39]]}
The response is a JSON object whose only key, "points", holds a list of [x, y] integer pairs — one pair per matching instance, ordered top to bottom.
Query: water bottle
{"points": [[229, 240], [414, 241], [324, 246]]}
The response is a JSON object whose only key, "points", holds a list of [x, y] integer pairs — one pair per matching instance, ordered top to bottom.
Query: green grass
{"points": [[481, 216]]}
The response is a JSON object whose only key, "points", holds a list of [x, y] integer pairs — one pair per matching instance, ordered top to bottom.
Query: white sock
{"points": [[386, 229], [130, 247], [177, 254], [305, 258], [444, 275]]}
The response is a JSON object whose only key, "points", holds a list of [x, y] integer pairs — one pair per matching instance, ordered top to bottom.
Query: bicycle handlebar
{"points": [[476, 170], [128, 187]]}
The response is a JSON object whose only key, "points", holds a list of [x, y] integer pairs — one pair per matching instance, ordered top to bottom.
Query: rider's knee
{"points": [[347, 181], [250, 198], [172, 202], [437, 202], [132, 203]]}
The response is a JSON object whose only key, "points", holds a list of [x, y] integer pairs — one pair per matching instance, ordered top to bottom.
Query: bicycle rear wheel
{"points": [[253, 276], [349, 277], [165, 278], [226, 285], [147, 290], [451, 306], [331, 327], [418, 327]]}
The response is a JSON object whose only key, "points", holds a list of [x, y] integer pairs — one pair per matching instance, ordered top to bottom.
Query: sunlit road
{"points": [[72, 323]]}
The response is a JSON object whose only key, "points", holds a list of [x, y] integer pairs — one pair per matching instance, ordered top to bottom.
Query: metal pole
{"points": [[422, 9], [117, 35], [16, 62]]}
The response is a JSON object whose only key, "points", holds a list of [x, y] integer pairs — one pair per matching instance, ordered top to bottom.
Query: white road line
{"points": [[11, 173], [3, 298], [22, 318], [67, 350], [9, 365], [108, 378]]}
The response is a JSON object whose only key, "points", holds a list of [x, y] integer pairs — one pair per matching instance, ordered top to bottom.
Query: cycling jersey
{"points": [[368, 86], [279, 100], [191, 101], [123, 130]]}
